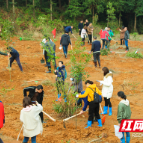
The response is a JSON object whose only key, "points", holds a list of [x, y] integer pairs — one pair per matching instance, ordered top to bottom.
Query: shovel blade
{"points": [[103, 119]]}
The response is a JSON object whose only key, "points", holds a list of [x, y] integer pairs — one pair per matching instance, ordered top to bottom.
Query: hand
{"points": [[128, 39], [89, 52], [8, 54], [56, 76], [101, 82], [77, 96], [36, 103], [81, 112], [119, 125]]}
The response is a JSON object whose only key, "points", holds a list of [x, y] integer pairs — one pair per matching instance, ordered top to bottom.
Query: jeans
{"points": [[80, 31], [90, 38], [104, 43], [126, 43], [65, 49], [96, 57], [17, 60], [48, 63], [107, 102], [93, 110], [127, 138], [33, 139], [1, 140]]}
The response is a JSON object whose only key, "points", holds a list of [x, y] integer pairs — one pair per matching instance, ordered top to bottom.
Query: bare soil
{"points": [[128, 76]]}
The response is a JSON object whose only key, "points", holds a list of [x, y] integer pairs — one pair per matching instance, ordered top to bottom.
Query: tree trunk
{"points": [[69, 1], [26, 3], [33, 3], [7, 4], [60, 4], [13, 7], [33, 8], [51, 9], [93, 16], [119, 19], [135, 27]]}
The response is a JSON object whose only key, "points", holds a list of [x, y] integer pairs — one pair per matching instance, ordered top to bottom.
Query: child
{"points": [[30, 118]]}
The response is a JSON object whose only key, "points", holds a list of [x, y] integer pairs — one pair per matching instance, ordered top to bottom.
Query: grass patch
{"points": [[104, 52], [134, 55]]}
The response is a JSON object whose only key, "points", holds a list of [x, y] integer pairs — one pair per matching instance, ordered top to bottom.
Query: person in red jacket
{"points": [[104, 37], [2, 117]]}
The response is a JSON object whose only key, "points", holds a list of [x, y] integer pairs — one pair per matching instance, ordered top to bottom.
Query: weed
{"points": [[105, 52], [134, 55]]}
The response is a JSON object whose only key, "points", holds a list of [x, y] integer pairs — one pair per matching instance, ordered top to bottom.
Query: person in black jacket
{"points": [[80, 26], [65, 41], [96, 45], [49, 49], [14, 56], [36, 94]]}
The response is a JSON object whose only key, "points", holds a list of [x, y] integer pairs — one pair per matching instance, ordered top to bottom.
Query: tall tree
{"points": [[7, 4], [51, 9]]}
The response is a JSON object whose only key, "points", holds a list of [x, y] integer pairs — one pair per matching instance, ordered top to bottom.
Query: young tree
{"points": [[7, 4], [51, 9]]}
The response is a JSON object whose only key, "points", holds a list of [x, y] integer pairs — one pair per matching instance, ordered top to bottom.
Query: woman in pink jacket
{"points": [[104, 37]]}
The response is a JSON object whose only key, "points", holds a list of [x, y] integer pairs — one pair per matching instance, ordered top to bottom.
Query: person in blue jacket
{"points": [[68, 29], [14, 56], [60, 78]]}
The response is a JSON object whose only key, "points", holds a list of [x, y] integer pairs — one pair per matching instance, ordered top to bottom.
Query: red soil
{"points": [[128, 77]]}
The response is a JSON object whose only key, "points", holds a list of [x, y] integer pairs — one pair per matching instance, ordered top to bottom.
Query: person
{"points": [[87, 22], [80, 26], [68, 29], [90, 32], [83, 34], [111, 34], [122, 35], [127, 36], [104, 37], [65, 41], [96, 45], [50, 49], [5, 54], [14, 56], [60, 78], [78, 87], [107, 89], [36, 93], [93, 107], [124, 112], [29, 116], [2, 117]]}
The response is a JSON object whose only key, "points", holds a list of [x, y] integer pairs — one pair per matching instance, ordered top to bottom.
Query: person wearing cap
{"points": [[65, 41], [96, 45], [14, 56]]}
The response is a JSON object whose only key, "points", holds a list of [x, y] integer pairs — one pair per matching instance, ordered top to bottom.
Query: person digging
{"points": [[14, 56], [36, 94]]}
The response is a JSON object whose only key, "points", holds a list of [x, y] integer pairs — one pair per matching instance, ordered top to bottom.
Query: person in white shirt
{"points": [[83, 35], [107, 89], [29, 116]]}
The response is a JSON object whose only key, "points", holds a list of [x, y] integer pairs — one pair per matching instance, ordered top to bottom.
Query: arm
{"points": [[71, 31], [92, 47], [1, 53], [109, 82], [85, 94], [85, 104], [119, 114]]}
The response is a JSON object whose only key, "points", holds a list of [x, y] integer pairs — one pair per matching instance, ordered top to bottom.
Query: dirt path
{"points": [[128, 77]]}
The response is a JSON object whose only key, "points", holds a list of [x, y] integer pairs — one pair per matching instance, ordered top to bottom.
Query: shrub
{"points": [[104, 52], [134, 55]]}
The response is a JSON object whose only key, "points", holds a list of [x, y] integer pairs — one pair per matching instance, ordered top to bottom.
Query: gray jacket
{"points": [[127, 35], [50, 46], [78, 87]]}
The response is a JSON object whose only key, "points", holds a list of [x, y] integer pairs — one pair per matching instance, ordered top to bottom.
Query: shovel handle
{"points": [[101, 109]]}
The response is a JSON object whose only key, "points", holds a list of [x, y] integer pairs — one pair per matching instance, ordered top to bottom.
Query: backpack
{"points": [[64, 72], [97, 97]]}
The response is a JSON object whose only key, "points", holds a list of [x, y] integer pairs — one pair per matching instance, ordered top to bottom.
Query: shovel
{"points": [[9, 68], [103, 116]]}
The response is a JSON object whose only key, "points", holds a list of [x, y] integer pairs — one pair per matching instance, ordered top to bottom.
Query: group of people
{"points": [[32, 116]]}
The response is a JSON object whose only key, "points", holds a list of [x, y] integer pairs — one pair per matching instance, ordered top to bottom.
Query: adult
{"points": [[87, 22], [80, 26], [68, 29], [90, 32], [83, 34], [111, 34], [122, 35], [127, 36], [104, 37], [65, 41], [96, 45], [50, 49], [14, 56], [60, 78], [107, 89], [36, 93], [93, 107], [124, 112], [29, 116], [2, 117]]}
